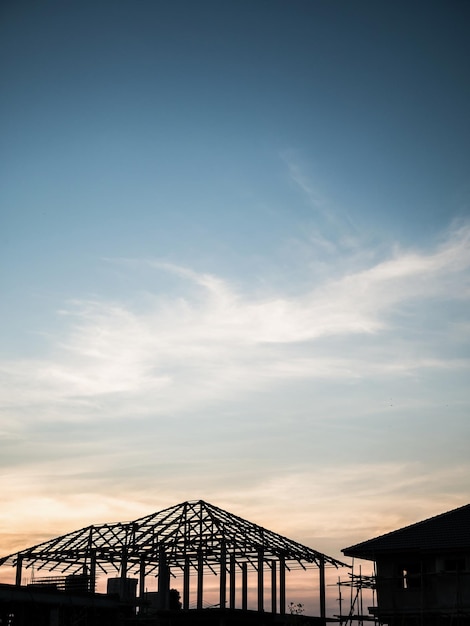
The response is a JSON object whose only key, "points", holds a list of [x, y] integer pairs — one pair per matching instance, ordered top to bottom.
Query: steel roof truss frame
{"points": [[183, 531]]}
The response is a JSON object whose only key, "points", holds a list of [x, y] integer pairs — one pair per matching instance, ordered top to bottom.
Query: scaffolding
{"points": [[357, 583]]}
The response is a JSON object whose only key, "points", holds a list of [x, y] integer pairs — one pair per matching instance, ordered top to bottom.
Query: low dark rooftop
{"points": [[446, 532]]}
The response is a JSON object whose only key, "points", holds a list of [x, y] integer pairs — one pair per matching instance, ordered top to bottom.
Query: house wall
{"points": [[423, 583]]}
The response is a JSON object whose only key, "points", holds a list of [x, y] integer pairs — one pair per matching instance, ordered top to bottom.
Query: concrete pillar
{"points": [[187, 565], [223, 577], [200, 579], [260, 580], [244, 586], [282, 586], [273, 587]]}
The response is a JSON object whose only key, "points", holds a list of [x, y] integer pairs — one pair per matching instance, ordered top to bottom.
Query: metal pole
{"points": [[187, 565], [19, 567], [223, 577], [200, 579], [163, 580], [232, 580], [260, 580], [92, 584], [142, 584], [122, 585], [244, 586], [282, 586], [273, 587], [322, 589], [340, 600]]}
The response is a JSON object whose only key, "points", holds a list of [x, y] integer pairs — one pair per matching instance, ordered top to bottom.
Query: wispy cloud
{"points": [[329, 218], [181, 352]]}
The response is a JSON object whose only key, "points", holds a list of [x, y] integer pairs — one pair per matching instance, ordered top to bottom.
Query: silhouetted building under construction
{"points": [[187, 541], [422, 571]]}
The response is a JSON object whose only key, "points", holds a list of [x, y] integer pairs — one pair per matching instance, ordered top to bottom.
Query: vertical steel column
{"points": [[187, 565], [233, 565], [321, 566], [19, 567], [91, 573], [223, 577], [200, 578], [163, 580], [260, 580], [92, 583], [142, 583], [122, 584], [244, 586], [282, 586], [273, 587]]}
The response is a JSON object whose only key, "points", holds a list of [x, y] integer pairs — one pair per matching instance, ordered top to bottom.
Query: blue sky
{"points": [[234, 263]]}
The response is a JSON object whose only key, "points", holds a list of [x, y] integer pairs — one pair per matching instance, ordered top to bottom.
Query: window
{"points": [[411, 576]]}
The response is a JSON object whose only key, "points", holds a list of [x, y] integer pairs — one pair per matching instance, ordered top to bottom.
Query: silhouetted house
{"points": [[423, 571]]}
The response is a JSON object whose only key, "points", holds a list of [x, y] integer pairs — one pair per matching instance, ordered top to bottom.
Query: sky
{"points": [[234, 263]]}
